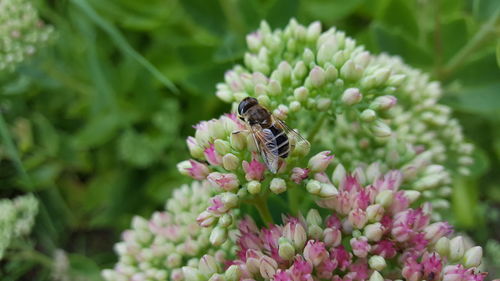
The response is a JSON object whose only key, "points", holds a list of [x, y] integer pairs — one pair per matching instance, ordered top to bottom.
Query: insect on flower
{"points": [[273, 138]]}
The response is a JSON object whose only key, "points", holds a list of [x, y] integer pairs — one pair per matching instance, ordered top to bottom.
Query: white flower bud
{"points": [[299, 71], [351, 71], [317, 77], [301, 94], [351, 96], [368, 115], [380, 129], [222, 147], [230, 162], [338, 175], [278, 185], [254, 187], [313, 187], [328, 190], [385, 198], [374, 231], [218, 236], [457, 248], [285, 249], [473, 257], [377, 263], [233, 273], [376, 276]]}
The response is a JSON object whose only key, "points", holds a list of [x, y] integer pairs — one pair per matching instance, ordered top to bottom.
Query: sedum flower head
{"points": [[21, 32], [371, 107], [17, 217], [372, 232], [158, 248]]}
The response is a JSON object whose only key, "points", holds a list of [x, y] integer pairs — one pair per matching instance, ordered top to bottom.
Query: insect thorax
{"points": [[258, 115]]}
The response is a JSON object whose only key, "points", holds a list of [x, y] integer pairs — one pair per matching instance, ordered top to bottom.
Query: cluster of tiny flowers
{"points": [[21, 32], [379, 109], [17, 217], [373, 235], [158, 248]]}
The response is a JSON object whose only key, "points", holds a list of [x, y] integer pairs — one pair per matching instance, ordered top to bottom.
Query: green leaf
{"points": [[485, 9], [329, 12], [208, 14], [399, 15], [454, 36], [396, 42], [498, 53], [480, 100], [98, 130], [464, 203], [84, 268]]}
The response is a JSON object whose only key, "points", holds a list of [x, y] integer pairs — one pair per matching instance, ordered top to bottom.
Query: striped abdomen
{"points": [[281, 140]]}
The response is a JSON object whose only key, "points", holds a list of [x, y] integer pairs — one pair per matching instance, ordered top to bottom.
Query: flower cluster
{"points": [[21, 32], [378, 108], [17, 217], [372, 234], [158, 248]]}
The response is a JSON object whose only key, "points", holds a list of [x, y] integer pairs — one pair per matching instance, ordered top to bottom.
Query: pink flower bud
{"points": [[317, 76], [351, 96], [383, 103], [212, 156], [319, 162], [194, 169], [254, 170], [299, 174], [227, 182], [357, 218], [205, 219], [437, 230], [332, 237], [360, 246], [315, 252], [412, 270]]}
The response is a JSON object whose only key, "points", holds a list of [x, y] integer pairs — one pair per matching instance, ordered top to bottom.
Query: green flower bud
{"points": [[301, 94], [351, 96], [368, 115], [222, 147], [254, 187], [313, 187], [457, 248], [285, 249], [473, 257], [233, 273]]}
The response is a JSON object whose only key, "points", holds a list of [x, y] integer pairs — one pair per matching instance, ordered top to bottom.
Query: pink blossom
{"points": [[212, 156], [319, 162], [254, 170], [197, 171], [299, 174], [227, 182], [360, 246], [315, 252], [412, 270]]}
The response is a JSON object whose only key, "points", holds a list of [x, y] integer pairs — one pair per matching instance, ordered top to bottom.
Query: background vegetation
{"points": [[97, 130]]}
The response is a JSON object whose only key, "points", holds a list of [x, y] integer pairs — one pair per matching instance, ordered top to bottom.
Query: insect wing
{"points": [[291, 132], [266, 143]]}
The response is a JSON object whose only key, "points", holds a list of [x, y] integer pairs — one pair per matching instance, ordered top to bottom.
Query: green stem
{"points": [[476, 42], [316, 128], [293, 199], [261, 205]]}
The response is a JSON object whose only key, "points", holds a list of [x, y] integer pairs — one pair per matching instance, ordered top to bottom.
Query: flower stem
{"points": [[314, 131], [261, 205]]}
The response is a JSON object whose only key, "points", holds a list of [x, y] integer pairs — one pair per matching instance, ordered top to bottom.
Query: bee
{"points": [[273, 138]]}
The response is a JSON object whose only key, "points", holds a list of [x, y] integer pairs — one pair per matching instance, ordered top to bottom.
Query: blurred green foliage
{"points": [[95, 124]]}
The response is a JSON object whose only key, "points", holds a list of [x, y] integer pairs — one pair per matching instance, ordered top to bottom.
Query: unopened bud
{"points": [[299, 71], [351, 71], [317, 76], [301, 94], [351, 96], [383, 103], [323, 104], [294, 106], [368, 115], [380, 129], [238, 140], [222, 147], [230, 162], [338, 175], [278, 185], [254, 187], [313, 187], [328, 190], [385, 198], [313, 217], [226, 220], [374, 231], [218, 236], [443, 246], [457, 248], [285, 249], [473, 257], [377, 263], [208, 265], [191, 273], [233, 273], [376, 276]]}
